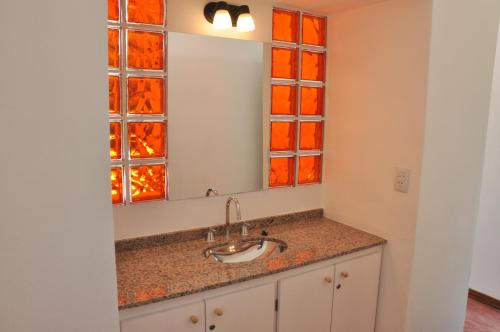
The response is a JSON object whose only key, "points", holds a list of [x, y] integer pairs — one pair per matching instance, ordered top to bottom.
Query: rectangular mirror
{"points": [[215, 115]]}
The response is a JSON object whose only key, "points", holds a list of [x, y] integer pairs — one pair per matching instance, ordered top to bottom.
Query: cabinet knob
{"points": [[344, 274], [328, 280], [219, 312], [194, 319]]}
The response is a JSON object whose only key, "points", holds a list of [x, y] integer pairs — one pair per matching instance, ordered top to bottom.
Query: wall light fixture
{"points": [[224, 16]]}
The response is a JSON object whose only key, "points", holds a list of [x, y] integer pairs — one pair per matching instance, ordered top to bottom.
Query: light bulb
{"points": [[222, 19], [245, 23]]}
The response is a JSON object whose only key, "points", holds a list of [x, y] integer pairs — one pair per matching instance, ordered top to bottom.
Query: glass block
{"points": [[113, 10], [146, 11], [285, 25], [313, 30], [113, 48], [145, 50], [284, 63], [313, 66], [114, 94], [146, 95], [284, 100], [312, 100], [311, 135], [283, 136], [146, 139], [115, 140], [309, 169], [282, 172], [147, 182], [117, 185]]}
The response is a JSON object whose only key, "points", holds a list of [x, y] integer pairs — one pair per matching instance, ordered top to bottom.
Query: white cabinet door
{"points": [[355, 294], [305, 302], [250, 310], [189, 318]]}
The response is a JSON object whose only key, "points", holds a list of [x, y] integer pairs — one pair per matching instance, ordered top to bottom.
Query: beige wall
{"points": [[187, 16], [463, 43], [378, 61], [400, 81], [160, 217], [57, 270], [485, 274]]}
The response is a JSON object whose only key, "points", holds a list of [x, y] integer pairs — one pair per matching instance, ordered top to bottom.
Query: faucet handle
{"points": [[211, 191], [244, 229], [211, 234]]}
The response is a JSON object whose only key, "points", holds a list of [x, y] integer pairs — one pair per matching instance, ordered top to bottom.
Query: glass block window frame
{"points": [[298, 117], [124, 118]]}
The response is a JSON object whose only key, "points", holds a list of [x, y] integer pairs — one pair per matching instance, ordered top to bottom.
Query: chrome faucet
{"points": [[211, 191], [238, 214]]}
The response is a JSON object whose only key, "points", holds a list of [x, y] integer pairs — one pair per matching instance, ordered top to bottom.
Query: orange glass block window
{"points": [[113, 10], [146, 11], [285, 25], [313, 30], [113, 48], [145, 50], [284, 63], [313, 66], [114, 94], [146, 95], [137, 99], [283, 99], [312, 100], [297, 107], [311, 135], [283, 136], [146, 139], [115, 140], [309, 169], [282, 172], [147, 182], [117, 185]]}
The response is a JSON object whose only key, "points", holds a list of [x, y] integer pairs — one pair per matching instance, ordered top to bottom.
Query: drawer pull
{"points": [[344, 274], [328, 280], [219, 312], [194, 319]]}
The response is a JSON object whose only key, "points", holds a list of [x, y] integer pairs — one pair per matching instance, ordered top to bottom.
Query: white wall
{"points": [[463, 43], [378, 59], [161, 217], [56, 232], [485, 274]]}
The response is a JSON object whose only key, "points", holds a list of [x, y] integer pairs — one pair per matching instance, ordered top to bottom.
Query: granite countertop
{"points": [[151, 270]]}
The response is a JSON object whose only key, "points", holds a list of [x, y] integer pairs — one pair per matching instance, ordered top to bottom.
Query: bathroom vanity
{"points": [[294, 273], [326, 280]]}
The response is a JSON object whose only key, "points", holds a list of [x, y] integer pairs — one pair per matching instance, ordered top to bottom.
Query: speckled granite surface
{"points": [[195, 234], [166, 270]]}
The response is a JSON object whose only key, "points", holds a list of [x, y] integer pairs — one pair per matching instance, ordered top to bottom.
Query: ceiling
{"points": [[325, 6]]}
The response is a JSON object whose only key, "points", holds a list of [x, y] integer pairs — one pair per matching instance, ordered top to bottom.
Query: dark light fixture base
{"points": [[235, 11]]}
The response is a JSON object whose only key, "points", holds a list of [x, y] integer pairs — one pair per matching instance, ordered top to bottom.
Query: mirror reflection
{"points": [[215, 115]]}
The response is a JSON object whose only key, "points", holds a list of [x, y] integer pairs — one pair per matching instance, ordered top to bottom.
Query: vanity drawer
{"points": [[189, 318]]}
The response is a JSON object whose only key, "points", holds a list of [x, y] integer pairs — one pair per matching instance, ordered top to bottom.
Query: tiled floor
{"points": [[481, 318]]}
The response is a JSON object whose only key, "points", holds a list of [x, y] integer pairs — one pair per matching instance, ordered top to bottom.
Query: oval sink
{"points": [[245, 250]]}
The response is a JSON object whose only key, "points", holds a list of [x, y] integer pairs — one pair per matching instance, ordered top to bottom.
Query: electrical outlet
{"points": [[402, 180]]}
